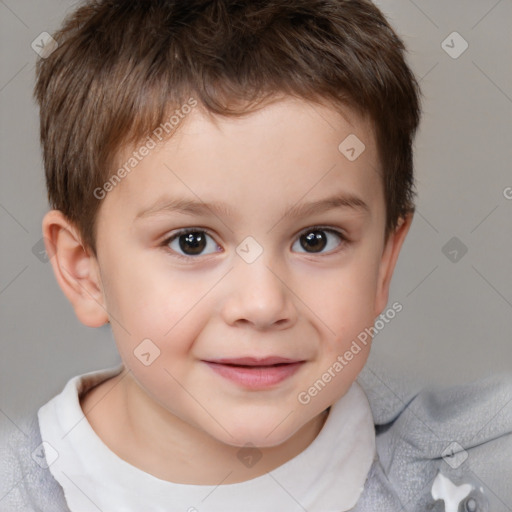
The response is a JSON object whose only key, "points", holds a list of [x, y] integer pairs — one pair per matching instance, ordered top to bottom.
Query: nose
{"points": [[258, 296]]}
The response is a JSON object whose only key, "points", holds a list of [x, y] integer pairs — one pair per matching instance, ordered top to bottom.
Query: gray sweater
{"points": [[430, 443]]}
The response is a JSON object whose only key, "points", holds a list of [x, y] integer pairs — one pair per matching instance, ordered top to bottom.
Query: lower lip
{"points": [[257, 377]]}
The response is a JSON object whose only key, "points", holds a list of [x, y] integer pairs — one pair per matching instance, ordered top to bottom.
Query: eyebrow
{"points": [[198, 207]]}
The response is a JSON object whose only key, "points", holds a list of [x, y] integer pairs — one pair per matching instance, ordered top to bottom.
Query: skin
{"points": [[176, 418]]}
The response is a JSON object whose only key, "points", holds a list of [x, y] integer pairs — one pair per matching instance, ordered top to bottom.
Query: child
{"points": [[231, 184]]}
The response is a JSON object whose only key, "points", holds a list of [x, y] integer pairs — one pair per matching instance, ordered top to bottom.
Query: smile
{"points": [[255, 373]]}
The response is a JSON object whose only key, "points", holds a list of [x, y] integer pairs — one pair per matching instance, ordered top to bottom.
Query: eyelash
{"points": [[165, 243]]}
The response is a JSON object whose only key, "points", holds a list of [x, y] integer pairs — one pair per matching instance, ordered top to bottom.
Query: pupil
{"points": [[314, 240], [193, 243]]}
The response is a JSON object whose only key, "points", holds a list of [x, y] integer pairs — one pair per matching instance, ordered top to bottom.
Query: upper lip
{"points": [[255, 361]]}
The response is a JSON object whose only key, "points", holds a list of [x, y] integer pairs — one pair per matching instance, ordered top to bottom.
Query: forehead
{"points": [[288, 150]]}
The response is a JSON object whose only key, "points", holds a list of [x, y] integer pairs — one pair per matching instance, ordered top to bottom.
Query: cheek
{"points": [[147, 296], [344, 299], [152, 301], [348, 310]]}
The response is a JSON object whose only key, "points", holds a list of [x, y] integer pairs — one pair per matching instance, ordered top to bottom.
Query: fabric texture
{"points": [[462, 433], [452, 442], [90, 473], [26, 484]]}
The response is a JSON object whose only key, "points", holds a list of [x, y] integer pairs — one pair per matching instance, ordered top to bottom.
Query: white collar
{"points": [[328, 476]]}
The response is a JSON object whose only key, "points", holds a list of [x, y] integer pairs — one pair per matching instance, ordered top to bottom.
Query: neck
{"points": [[149, 437]]}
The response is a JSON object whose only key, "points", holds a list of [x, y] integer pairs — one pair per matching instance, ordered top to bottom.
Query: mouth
{"points": [[256, 373]]}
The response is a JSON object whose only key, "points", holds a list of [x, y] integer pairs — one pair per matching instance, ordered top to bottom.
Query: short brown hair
{"points": [[121, 66]]}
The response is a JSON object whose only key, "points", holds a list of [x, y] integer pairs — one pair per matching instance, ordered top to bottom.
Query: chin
{"points": [[265, 434], [258, 439]]}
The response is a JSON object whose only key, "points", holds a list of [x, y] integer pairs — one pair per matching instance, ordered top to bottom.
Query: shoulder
{"points": [[476, 415], [452, 439], [15, 443], [26, 483], [378, 493]]}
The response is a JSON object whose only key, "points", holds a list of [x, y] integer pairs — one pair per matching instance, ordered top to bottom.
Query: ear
{"points": [[388, 261], [76, 269]]}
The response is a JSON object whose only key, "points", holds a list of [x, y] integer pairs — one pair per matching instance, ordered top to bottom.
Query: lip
{"points": [[255, 361], [256, 373]]}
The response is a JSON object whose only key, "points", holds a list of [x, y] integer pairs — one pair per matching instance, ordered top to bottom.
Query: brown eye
{"points": [[316, 240], [192, 243]]}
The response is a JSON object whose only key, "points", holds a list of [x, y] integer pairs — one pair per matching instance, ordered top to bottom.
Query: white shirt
{"points": [[328, 476]]}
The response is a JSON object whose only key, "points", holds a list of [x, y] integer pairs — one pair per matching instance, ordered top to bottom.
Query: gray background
{"points": [[456, 321]]}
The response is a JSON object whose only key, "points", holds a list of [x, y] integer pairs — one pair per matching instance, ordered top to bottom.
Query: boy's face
{"points": [[262, 275]]}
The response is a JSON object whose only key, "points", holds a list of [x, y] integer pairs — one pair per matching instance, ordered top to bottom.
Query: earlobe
{"points": [[388, 261], [76, 269]]}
